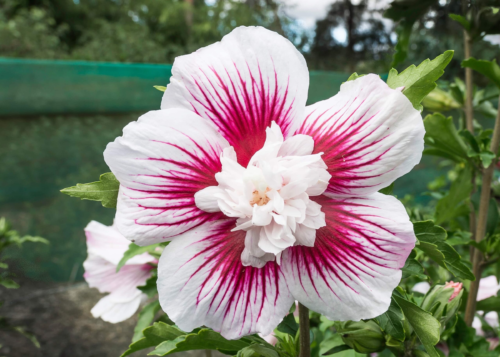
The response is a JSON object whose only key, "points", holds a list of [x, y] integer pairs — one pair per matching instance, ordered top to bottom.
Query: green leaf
{"points": [[461, 20], [401, 49], [489, 69], [355, 76], [419, 81], [160, 88], [443, 137], [487, 158], [104, 190], [387, 190], [449, 207], [492, 219], [432, 242], [133, 250], [413, 268], [9, 283], [149, 288], [490, 304], [146, 317], [391, 322], [289, 325], [426, 327], [28, 335], [153, 336], [204, 339], [331, 344], [257, 351]]}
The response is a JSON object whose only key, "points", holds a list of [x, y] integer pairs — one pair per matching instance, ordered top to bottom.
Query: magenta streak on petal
{"points": [[242, 104], [344, 145], [173, 190], [337, 251], [232, 283]]}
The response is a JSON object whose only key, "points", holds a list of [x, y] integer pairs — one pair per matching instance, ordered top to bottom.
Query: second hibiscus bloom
{"points": [[267, 200]]}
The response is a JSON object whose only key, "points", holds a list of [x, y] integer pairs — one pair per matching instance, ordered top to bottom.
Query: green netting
{"points": [[43, 153]]}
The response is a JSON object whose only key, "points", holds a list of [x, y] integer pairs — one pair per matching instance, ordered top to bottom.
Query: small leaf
{"points": [[461, 20], [489, 69], [354, 76], [419, 81], [160, 88], [443, 137], [487, 158], [104, 190], [387, 190], [449, 207], [493, 217], [432, 242], [133, 250], [413, 268], [9, 283], [150, 288], [490, 304], [146, 317], [391, 322], [289, 325], [426, 327], [28, 335], [153, 336], [204, 339], [257, 351]]}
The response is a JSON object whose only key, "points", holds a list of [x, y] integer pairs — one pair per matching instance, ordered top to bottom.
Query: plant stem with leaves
{"points": [[482, 218]]}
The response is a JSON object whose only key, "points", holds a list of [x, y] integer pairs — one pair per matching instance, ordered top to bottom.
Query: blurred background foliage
{"points": [[157, 31]]}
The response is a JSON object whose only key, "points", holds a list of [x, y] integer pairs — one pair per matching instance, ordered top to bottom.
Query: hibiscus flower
{"points": [[266, 200], [105, 247]]}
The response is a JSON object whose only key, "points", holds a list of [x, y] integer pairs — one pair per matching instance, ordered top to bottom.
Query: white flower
{"points": [[267, 200], [105, 248]]}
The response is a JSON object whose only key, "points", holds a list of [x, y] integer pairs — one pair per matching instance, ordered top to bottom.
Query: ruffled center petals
{"points": [[270, 197]]}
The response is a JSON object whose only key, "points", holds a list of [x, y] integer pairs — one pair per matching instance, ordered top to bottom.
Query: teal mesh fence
{"points": [[56, 118]]}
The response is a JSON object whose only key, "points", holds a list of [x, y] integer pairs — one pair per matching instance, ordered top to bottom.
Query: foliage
{"points": [[104, 190], [10, 237]]}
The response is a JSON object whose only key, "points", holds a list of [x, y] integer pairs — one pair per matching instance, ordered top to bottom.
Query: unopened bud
{"points": [[440, 101], [443, 301], [363, 337]]}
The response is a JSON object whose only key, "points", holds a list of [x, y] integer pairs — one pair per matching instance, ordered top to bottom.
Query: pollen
{"points": [[259, 198]]}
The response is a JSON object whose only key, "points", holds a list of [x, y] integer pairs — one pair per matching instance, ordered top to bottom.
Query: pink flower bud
{"points": [[457, 287]]}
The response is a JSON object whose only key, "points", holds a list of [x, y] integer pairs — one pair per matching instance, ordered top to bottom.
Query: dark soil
{"points": [[59, 316]]}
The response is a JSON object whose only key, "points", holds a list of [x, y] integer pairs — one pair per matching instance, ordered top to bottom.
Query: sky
{"points": [[308, 11]]}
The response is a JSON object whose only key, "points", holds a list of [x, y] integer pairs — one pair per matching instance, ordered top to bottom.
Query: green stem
{"points": [[482, 217], [305, 340]]}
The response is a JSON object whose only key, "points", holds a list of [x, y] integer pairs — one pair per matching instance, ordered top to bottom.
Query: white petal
{"points": [[242, 84], [369, 133], [297, 145], [161, 161], [206, 199], [109, 244], [355, 263], [201, 281], [115, 311]]}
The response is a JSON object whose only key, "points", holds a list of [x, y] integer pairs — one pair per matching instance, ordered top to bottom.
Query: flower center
{"points": [[270, 197], [260, 198]]}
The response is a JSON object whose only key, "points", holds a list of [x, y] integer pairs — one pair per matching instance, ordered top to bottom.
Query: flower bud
{"points": [[440, 101], [443, 301], [363, 337]]}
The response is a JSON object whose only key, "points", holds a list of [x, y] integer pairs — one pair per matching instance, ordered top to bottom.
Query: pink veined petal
{"points": [[242, 84], [369, 133], [161, 161], [109, 244], [355, 263], [101, 274], [201, 281]]}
